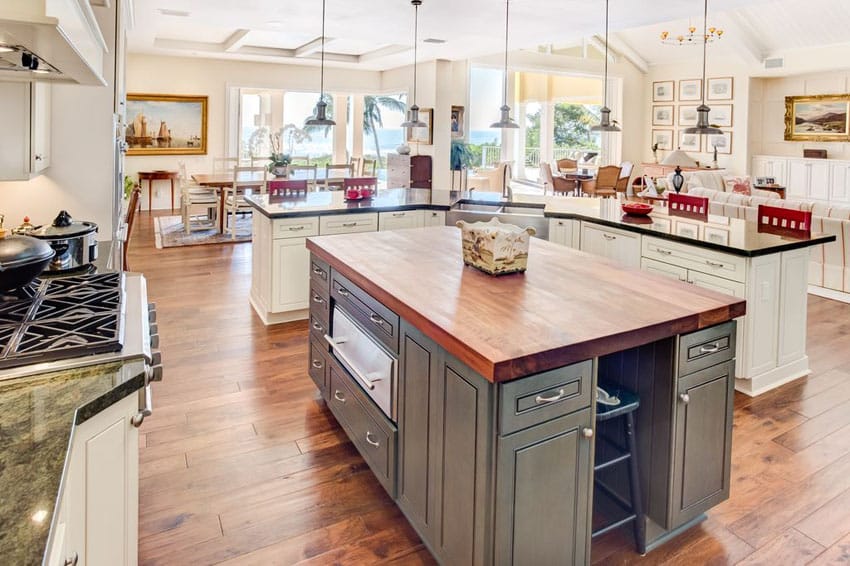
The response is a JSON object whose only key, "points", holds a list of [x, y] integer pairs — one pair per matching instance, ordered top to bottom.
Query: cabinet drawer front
{"points": [[435, 218], [400, 219], [348, 223], [295, 227], [695, 258], [665, 269], [320, 273], [319, 302], [378, 320], [318, 327], [705, 348], [318, 364], [539, 398], [372, 434]]}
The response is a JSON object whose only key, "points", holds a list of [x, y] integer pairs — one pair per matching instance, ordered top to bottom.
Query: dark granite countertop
{"points": [[323, 203], [37, 418]]}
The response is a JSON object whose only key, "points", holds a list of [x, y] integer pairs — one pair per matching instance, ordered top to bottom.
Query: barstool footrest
{"points": [[611, 462], [615, 525]]}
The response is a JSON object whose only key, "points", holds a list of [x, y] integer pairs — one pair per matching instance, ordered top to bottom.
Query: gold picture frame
{"points": [[822, 117], [181, 128], [424, 136]]}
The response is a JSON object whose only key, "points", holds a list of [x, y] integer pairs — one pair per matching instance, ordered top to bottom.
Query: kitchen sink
{"points": [[518, 214]]}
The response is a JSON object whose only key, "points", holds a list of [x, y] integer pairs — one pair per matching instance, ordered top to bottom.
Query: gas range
{"points": [[68, 322]]}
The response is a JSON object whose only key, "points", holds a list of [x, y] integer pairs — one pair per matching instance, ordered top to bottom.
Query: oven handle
{"points": [[367, 382]]}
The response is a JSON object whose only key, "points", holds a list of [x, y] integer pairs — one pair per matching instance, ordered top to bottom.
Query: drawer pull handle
{"points": [[398, 214], [560, 222], [349, 224], [295, 228], [609, 237], [664, 252], [713, 263], [319, 271], [344, 292], [318, 299], [376, 319], [317, 326], [709, 349], [317, 364], [367, 381], [339, 396], [685, 398], [541, 400], [587, 432], [374, 443], [73, 560]]}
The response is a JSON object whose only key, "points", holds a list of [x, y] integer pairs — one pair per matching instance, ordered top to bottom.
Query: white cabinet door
{"points": [[14, 131], [40, 151], [798, 178], [819, 179], [839, 186], [435, 218], [401, 219], [564, 231], [618, 245], [290, 274], [793, 306], [761, 324]]}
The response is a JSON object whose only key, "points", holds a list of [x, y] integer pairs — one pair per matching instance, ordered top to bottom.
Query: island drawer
{"points": [[348, 223], [300, 227], [698, 259], [320, 273], [319, 302], [379, 321], [318, 328], [705, 348], [318, 369], [539, 398], [372, 434]]}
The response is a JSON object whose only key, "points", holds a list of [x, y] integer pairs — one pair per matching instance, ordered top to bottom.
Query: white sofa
{"points": [[829, 266]]}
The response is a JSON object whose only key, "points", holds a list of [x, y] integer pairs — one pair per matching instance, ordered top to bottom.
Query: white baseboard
{"points": [[829, 293], [270, 318], [774, 378]]}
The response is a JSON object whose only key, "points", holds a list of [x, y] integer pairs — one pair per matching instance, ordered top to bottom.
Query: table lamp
{"points": [[680, 159]]}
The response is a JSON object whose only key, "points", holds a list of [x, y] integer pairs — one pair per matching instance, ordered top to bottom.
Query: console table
{"points": [[659, 170], [150, 177]]}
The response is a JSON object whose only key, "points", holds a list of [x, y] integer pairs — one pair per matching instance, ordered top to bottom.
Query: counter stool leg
{"points": [[634, 486]]}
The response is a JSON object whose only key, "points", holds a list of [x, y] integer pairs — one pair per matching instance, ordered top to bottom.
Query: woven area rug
{"points": [[170, 233]]}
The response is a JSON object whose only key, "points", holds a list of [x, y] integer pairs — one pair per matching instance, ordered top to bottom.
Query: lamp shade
{"points": [[679, 158]]}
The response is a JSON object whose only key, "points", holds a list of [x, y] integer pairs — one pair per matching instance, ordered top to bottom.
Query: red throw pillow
{"points": [[742, 188]]}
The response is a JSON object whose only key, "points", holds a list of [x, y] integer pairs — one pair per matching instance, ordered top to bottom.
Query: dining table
{"points": [[578, 176]]}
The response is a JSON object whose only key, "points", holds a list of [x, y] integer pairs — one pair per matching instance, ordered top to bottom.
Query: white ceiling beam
{"points": [[741, 31], [236, 40], [598, 43], [616, 43], [311, 47], [387, 51]]}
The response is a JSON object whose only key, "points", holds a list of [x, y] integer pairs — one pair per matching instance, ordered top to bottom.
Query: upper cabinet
{"points": [[61, 35], [25, 136]]}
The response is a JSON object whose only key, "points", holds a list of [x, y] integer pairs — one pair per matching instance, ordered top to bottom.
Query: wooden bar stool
{"points": [[625, 410]]}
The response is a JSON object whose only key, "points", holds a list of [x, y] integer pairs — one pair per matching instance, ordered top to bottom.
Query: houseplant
{"points": [[461, 156], [279, 161]]}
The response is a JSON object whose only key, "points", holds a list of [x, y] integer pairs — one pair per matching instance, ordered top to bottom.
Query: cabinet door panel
{"points": [[40, 127], [15, 134], [798, 179], [819, 180], [840, 184], [435, 218], [565, 232], [618, 245], [290, 274], [703, 442], [543, 481]]}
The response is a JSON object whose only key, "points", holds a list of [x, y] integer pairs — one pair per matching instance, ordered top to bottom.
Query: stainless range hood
{"points": [[50, 40]]}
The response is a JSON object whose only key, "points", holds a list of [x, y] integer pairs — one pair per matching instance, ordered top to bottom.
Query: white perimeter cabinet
{"points": [[25, 131], [811, 179], [619, 245], [280, 263], [96, 521]]}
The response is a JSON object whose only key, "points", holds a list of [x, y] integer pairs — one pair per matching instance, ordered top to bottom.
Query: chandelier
{"points": [[691, 38]]}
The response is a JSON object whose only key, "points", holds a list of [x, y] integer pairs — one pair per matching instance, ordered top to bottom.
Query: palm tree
{"points": [[372, 118], [324, 130]]}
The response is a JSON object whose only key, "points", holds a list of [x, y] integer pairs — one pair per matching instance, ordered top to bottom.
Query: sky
{"points": [[181, 119]]}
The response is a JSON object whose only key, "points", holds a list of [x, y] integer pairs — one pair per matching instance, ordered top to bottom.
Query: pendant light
{"points": [[321, 118], [413, 120], [505, 121], [605, 124], [703, 127]]}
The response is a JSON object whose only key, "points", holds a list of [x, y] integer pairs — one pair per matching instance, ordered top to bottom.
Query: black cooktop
{"points": [[62, 318]]}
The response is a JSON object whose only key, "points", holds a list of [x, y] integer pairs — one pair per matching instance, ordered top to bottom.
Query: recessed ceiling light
{"points": [[175, 13], [434, 40], [6, 49], [40, 71], [39, 516]]}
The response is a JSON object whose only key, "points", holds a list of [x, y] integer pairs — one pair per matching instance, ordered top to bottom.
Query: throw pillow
{"points": [[740, 185]]}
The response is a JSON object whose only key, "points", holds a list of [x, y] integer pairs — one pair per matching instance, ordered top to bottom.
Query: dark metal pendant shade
{"points": [[321, 118], [413, 120], [505, 122], [605, 124], [703, 126]]}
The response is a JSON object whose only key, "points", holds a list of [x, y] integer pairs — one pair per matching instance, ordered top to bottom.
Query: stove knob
{"points": [[151, 306], [152, 316], [154, 329], [155, 341], [156, 358], [154, 373]]}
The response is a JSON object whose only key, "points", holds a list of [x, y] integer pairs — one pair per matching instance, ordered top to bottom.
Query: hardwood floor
{"points": [[241, 463]]}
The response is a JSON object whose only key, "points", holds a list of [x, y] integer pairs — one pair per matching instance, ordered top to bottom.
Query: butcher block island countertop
{"points": [[567, 307]]}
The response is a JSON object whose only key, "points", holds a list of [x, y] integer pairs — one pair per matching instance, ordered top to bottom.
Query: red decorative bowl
{"points": [[637, 208]]}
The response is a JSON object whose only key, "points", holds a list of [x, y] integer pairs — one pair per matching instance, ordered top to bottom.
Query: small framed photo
{"points": [[719, 88], [690, 89], [663, 91], [688, 115], [721, 115], [662, 116], [457, 121], [424, 135], [664, 139], [689, 142], [723, 143]]}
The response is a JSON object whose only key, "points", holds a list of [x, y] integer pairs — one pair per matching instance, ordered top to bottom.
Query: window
{"points": [[485, 95], [259, 114], [382, 131], [315, 142]]}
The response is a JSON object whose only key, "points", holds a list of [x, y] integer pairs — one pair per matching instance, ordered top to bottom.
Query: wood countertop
{"points": [[567, 307]]}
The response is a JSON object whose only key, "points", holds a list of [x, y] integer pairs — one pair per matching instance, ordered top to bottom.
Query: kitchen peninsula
{"points": [[475, 407]]}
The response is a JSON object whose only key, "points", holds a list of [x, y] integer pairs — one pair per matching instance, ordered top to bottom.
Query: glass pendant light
{"points": [[321, 118], [413, 120], [505, 121], [605, 124], [703, 127]]}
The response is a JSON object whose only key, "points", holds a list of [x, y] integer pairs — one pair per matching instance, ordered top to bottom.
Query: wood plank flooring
{"points": [[241, 463]]}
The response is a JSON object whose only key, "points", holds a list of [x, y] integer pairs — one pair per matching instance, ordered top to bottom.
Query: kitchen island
{"points": [[475, 406]]}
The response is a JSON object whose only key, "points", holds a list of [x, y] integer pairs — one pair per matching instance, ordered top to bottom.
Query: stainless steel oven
{"points": [[371, 366]]}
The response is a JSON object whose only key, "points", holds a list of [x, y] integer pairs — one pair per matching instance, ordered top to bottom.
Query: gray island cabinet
{"points": [[476, 408]]}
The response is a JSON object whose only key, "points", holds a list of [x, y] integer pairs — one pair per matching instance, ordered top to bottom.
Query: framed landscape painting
{"points": [[719, 88], [690, 89], [662, 91], [662, 115], [687, 115], [721, 115], [817, 118], [166, 124], [424, 136], [664, 139], [689, 142], [723, 143]]}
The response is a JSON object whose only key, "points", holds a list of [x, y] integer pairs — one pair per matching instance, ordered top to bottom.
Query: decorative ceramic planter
{"points": [[280, 170], [494, 247]]}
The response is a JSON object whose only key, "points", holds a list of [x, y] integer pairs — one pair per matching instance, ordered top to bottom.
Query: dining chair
{"points": [[260, 161], [355, 163], [566, 164], [223, 165], [369, 167], [626, 168], [311, 173], [244, 179], [335, 180], [606, 182], [360, 183], [559, 185], [287, 187], [196, 196], [132, 205], [687, 206], [784, 221]]}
